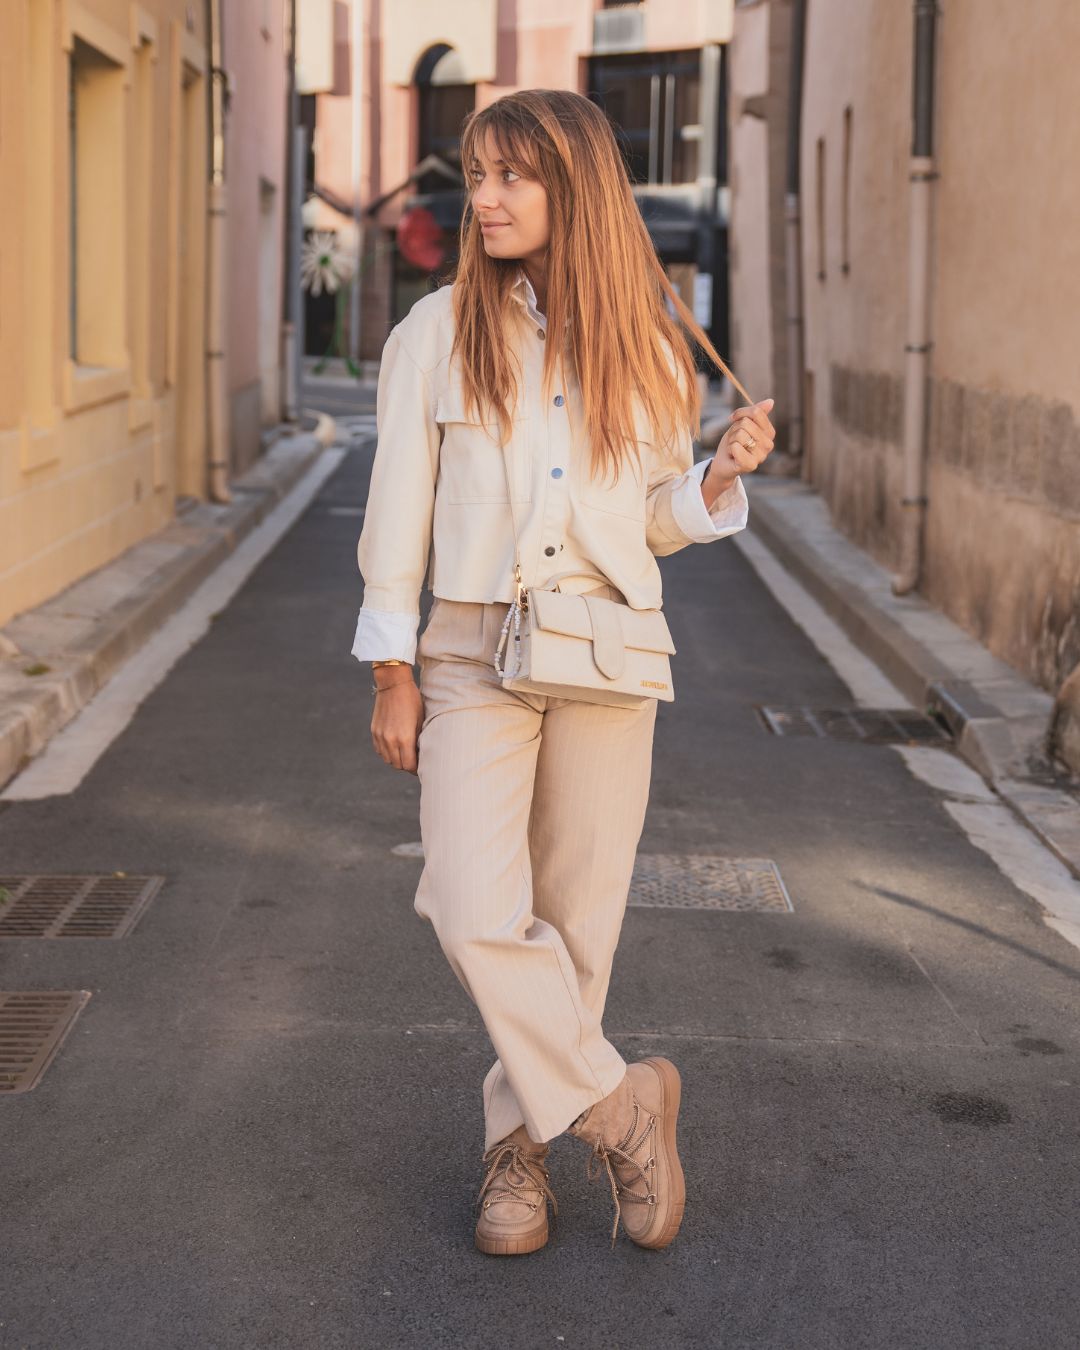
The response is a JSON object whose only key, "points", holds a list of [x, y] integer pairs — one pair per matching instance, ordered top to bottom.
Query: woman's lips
{"points": [[495, 225]]}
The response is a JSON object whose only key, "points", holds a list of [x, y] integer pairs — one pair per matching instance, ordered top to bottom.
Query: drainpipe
{"points": [[356, 167], [793, 236], [292, 343], [917, 349], [217, 421]]}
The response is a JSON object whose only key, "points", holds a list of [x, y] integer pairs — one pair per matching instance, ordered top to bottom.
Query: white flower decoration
{"points": [[324, 264]]}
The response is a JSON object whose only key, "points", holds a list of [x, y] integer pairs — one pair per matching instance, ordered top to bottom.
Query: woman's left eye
{"points": [[477, 174]]}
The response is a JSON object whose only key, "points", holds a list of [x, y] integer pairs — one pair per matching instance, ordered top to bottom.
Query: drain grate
{"points": [[872, 726], [706, 881], [73, 906], [33, 1023]]}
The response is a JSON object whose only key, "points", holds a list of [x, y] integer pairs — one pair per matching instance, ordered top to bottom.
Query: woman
{"points": [[555, 339]]}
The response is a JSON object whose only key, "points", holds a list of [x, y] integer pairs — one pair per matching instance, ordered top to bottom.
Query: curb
{"points": [[84, 634], [998, 719]]}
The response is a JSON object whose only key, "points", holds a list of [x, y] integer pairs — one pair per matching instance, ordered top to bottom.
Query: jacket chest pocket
{"points": [[472, 464], [602, 493]]}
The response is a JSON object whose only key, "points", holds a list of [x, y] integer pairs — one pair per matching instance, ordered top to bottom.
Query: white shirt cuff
{"points": [[729, 512], [383, 633]]}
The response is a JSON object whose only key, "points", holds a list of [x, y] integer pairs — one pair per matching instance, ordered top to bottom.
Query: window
{"points": [[445, 100], [654, 100], [308, 119], [97, 137], [820, 202], [142, 204], [845, 208]]}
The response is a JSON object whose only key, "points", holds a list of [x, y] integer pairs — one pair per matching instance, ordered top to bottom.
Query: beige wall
{"points": [[253, 42], [754, 277], [91, 449], [1003, 524], [1002, 544]]}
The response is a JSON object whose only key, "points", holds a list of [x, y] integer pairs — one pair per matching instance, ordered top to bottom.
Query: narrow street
{"points": [[264, 1128]]}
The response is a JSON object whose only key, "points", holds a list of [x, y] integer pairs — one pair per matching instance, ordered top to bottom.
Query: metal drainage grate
{"points": [[872, 726], [705, 881], [86, 906], [32, 1026]]}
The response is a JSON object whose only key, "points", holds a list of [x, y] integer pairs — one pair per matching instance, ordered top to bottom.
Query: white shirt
{"points": [[427, 449]]}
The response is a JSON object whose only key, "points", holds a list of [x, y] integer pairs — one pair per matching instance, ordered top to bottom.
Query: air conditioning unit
{"points": [[618, 30]]}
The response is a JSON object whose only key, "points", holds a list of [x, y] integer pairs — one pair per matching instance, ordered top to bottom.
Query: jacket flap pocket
{"points": [[450, 407], [560, 612]]}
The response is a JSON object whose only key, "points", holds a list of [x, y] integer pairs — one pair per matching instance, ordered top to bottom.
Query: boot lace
{"points": [[515, 1174], [629, 1179]]}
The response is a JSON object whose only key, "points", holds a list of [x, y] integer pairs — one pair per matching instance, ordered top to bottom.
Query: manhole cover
{"points": [[872, 726], [705, 881], [78, 906], [33, 1024]]}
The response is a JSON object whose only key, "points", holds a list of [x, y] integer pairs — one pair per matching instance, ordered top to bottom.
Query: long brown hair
{"points": [[604, 280]]}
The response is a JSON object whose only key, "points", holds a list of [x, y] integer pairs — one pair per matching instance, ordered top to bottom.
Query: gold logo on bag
{"points": [[654, 684]]}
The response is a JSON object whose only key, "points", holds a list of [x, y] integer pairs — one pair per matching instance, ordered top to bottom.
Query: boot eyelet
{"points": [[651, 1199]]}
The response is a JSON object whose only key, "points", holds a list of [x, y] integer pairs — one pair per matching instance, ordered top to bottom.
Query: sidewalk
{"points": [[55, 658], [998, 718]]}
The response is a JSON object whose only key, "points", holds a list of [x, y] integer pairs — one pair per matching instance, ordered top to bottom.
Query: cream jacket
{"points": [[438, 511]]}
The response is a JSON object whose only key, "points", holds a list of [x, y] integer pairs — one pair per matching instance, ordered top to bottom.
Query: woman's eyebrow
{"points": [[475, 161]]}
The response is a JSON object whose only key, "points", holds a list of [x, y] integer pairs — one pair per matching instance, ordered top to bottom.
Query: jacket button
{"points": [[540, 334], [559, 400], [556, 473], [549, 550]]}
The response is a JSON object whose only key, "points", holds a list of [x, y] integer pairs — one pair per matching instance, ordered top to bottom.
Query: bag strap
{"points": [[518, 581]]}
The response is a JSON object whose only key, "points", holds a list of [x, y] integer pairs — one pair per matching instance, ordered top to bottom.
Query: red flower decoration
{"points": [[420, 239]]}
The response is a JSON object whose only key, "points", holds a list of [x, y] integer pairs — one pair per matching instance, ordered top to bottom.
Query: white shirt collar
{"points": [[522, 290]]}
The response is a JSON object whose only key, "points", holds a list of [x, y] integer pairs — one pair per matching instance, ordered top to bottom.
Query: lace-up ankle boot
{"points": [[632, 1134], [515, 1193]]}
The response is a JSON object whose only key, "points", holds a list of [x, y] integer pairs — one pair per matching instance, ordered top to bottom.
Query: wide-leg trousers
{"points": [[531, 809]]}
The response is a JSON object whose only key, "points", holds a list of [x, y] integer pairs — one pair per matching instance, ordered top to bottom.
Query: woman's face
{"points": [[512, 210]]}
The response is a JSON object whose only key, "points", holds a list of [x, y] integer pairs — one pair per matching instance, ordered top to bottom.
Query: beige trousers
{"points": [[531, 808]]}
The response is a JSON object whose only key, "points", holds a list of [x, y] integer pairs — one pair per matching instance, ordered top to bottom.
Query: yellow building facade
{"points": [[103, 167]]}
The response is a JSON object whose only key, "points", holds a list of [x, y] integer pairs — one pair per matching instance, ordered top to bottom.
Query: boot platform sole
{"points": [[671, 1098], [513, 1246]]}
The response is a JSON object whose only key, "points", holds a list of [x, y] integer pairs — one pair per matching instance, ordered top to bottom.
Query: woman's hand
{"points": [[744, 445], [396, 723]]}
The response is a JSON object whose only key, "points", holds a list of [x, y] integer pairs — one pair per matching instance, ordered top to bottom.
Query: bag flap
{"points": [[561, 612]]}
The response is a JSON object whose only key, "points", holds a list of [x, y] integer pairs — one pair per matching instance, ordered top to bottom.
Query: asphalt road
{"points": [[264, 1129]]}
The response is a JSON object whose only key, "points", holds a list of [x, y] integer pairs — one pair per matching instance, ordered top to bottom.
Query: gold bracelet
{"points": [[392, 661]]}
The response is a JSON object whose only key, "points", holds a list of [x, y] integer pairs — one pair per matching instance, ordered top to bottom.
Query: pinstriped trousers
{"points": [[531, 809]]}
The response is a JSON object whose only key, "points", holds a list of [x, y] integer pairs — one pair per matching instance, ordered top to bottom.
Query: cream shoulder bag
{"points": [[583, 647]]}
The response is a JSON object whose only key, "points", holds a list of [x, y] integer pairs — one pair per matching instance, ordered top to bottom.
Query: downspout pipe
{"points": [[356, 166], [793, 239], [291, 308], [917, 349], [217, 420]]}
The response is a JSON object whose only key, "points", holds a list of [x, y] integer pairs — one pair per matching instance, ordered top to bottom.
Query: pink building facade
{"points": [[388, 89]]}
